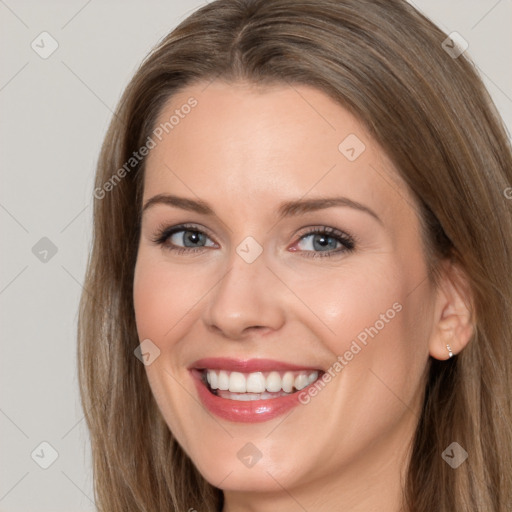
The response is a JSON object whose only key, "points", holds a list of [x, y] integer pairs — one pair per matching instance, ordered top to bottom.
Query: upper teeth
{"points": [[259, 382]]}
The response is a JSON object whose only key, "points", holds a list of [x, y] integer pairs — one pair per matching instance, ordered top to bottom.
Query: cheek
{"points": [[162, 298], [151, 299], [350, 301], [371, 320], [381, 325]]}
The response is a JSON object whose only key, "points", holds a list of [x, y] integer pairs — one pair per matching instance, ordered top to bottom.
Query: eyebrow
{"points": [[286, 209]]}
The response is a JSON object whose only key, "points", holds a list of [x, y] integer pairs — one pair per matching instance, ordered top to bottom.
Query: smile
{"points": [[250, 391]]}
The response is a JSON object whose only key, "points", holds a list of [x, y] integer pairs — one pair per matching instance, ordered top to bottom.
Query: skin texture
{"points": [[244, 150]]}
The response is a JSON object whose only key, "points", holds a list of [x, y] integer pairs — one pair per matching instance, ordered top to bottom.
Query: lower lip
{"points": [[252, 411]]}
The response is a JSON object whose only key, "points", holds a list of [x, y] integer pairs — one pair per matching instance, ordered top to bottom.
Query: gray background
{"points": [[54, 114]]}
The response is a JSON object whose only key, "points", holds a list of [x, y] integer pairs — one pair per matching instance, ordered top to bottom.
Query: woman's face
{"points": [[301, 259]]}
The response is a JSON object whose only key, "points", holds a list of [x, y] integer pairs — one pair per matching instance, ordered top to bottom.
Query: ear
{"points": [[453, 313]]}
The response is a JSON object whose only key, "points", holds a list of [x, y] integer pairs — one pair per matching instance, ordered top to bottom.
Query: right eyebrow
{"points": [[179, 202]]}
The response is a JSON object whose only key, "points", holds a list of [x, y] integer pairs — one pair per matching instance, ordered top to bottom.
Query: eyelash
{"points": [[165, 232]]}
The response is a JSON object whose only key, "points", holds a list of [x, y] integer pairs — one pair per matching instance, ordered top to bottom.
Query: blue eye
{"points": [[191, 238], [325, 241], [317, 242]]}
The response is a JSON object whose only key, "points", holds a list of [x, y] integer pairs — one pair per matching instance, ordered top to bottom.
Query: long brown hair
{"points": [[431, 114]]}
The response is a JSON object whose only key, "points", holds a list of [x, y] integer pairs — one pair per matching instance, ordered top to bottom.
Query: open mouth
{"points": [[267, 385]]}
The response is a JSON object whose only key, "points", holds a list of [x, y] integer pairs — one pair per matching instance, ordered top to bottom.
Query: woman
{"points": [[299, 293]]}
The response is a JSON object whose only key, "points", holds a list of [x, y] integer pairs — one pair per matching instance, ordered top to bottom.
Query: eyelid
{"points": [[165, 230], [308, 230]]}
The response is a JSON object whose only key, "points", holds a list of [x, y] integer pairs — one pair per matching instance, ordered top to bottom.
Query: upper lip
{"points": [[246, 365]]}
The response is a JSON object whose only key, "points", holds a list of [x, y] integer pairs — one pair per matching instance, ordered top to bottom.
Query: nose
{"points": [[247, 299]]}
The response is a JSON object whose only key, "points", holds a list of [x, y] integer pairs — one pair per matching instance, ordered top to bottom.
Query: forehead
{"points": [[282, 141]]}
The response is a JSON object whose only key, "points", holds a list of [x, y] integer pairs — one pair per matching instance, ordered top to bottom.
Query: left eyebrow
{"points": [[301, 206], [286, 209]]}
